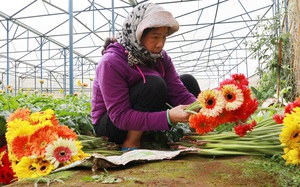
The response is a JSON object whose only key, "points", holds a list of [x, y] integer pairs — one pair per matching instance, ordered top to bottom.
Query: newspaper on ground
{"points": [[96, 161]]}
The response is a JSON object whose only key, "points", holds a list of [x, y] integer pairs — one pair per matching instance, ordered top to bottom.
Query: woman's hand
{"points": [[177, 114]]}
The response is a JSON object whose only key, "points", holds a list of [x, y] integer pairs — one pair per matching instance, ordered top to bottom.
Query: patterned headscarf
{"points": [[146, 15]]}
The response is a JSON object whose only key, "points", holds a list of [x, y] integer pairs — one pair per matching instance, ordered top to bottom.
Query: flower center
{"points": [[229, 96], [210, 102], [295, 135], [62, 154], [32, 168]]}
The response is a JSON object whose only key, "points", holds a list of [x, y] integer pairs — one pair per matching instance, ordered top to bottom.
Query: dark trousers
{"points": [[151, 96]]}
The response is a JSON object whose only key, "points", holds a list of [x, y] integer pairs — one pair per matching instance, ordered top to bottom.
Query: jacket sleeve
{"points": [[115, 94]]}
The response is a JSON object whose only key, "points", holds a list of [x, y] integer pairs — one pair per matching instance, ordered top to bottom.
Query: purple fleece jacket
{"points": [[111, 86]]}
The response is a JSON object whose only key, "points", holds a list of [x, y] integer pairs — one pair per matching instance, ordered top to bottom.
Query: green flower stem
{"points": [[193, 108], [269, 108], [191, 111], [266, 122], [262, 140], [217, 152]]}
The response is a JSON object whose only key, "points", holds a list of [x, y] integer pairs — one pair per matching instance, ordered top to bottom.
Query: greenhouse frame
{"points": [[50, 45]]}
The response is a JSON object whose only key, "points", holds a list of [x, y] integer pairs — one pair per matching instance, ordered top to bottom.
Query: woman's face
{"points": [[155, 39]]}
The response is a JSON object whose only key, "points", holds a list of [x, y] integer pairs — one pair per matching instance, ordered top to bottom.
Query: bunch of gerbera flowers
{"points": [[231, 102], [290, 134], [38, 144]]}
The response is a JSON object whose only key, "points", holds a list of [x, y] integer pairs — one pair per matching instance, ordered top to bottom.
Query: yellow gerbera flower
{"points": [[79, 83], [233, 96], [212, 102], [42, 116], [16, 128], [290, 134], [81, 155], [292, 156], [43, 167], [32, 168]]}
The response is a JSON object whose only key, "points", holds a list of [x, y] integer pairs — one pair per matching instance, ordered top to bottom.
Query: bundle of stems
{"points": [[262, 140], [100, 145]]}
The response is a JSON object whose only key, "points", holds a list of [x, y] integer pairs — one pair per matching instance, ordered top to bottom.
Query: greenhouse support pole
{"points": [[7, 55], [41, 63], [82, 70], [65, 72], [34, 78], [50, 79], [15, 88], [71, 91]]}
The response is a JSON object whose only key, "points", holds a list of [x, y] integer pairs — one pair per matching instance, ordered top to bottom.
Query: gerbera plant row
{"points": [[37, 145]]}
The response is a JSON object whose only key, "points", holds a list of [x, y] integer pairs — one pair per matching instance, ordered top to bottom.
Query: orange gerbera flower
{"points": [[233, 96], [212, 102], [22, 114], [54, 120], [201, 123], [65, 132], [40, 139], [20, 146]]}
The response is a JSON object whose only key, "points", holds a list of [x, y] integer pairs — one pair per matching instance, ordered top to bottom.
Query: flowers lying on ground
{"points": [[232, 102], [290, 134], [38, 144]]}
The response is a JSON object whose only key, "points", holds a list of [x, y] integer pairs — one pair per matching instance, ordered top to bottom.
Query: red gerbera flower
{"points": [[237, 79], [240, 79], [249, 106], [290, 106], [278, 118], [241, 129], [6, 173]]}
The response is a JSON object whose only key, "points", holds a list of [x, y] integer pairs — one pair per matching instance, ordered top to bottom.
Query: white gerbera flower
{"points": [[61, 151]]}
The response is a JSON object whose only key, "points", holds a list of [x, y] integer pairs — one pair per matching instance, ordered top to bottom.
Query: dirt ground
{"points": [[183, 170]]}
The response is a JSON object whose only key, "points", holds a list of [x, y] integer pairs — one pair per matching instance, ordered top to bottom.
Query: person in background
{"points": [[135, 79]]}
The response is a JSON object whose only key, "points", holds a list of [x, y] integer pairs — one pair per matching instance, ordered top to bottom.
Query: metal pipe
{"points": [[71, 84]]}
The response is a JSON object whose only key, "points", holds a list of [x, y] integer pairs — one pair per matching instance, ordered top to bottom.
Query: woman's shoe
{"points": [[125, 149]]}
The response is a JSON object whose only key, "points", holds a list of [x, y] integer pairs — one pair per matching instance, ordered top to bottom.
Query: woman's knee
{"points": [[191, 84], [149, 96]]}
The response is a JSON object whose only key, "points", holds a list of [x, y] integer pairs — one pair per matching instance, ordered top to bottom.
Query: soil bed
{"points": [[184, 170]]}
